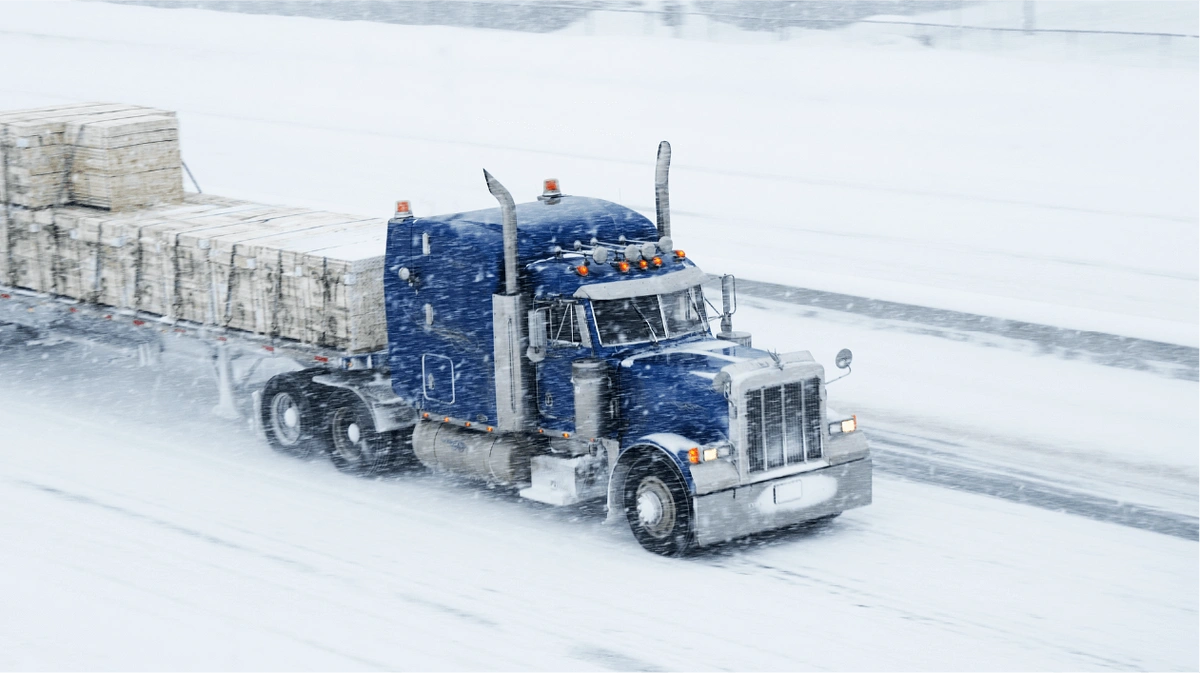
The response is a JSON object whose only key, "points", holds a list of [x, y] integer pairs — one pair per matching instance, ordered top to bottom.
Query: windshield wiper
{"points": [[653, 336]]}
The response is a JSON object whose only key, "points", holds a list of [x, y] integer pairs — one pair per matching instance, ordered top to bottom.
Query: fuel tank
{"points": [[489, 456]]}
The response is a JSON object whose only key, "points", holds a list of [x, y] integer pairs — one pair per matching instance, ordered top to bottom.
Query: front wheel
{"points": [[657, 506]]}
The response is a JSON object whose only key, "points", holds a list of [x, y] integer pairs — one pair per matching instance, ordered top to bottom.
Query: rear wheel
{"points": [[292, 418], [354, 445], [657, 506]]}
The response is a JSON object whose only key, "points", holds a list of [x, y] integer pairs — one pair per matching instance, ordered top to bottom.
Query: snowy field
{"points": [[1062, 194], [140, 532]]}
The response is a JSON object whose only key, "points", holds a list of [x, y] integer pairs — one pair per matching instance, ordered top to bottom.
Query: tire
{"points": [[292, 417], [354, 446], [657, 506]]}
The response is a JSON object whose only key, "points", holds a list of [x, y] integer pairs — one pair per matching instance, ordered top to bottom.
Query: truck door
{"points": [[567, 339]]}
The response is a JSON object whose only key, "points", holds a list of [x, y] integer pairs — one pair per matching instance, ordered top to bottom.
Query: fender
{"points": [[388, 411], [670, 444]]}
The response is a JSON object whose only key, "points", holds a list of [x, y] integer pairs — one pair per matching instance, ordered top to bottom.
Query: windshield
{"points": [[650, 318]]}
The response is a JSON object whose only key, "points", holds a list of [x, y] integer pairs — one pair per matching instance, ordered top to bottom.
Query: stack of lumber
{"points": [[109, 156], [94, 209], [293, 273]]}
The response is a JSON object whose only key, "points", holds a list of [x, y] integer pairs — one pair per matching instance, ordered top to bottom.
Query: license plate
{"points": [[789, 491]]}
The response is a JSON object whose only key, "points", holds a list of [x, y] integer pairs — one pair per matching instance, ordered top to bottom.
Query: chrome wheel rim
{"points": [[285, 419], [655, 507]]}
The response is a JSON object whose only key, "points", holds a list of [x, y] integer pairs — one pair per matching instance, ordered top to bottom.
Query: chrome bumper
{"points": [[776, 503]]}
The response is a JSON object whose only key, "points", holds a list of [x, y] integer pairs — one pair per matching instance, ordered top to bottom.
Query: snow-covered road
{"points": [[142, 532]]}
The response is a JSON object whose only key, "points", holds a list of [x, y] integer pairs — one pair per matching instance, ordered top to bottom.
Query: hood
{"points": [[671, 389]]}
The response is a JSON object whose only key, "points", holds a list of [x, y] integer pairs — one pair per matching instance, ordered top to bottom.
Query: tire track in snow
{"points": [[905, 458]]}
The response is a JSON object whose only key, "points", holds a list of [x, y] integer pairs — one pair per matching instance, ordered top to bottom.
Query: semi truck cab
{"points": [[564, 346]]}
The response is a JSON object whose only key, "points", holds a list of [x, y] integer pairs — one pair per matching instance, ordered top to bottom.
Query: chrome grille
{"points": [[783, 425]]}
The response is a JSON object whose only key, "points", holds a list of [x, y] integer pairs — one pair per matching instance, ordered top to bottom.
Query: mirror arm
{"points": [[840, 377]]}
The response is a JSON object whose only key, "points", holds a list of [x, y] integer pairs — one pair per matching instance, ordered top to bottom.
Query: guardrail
{"points": [[711, 20]]}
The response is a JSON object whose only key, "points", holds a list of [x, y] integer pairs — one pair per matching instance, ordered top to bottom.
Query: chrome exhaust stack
{"points": [[662, 200], [508, 211], [514, 380]]}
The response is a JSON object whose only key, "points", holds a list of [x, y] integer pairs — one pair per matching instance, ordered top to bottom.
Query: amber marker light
{"points": [[679, 254], [656, 261], [642, 264], [623, 267], [582, 270], [425, 415], [446, 419], [566, 435], [694, 455]]}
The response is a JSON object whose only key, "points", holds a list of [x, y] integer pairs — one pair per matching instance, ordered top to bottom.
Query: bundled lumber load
{"points": [[109, 156], [94, 210], [293, 273]]}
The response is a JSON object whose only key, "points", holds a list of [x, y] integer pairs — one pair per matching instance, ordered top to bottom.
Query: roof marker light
{"points": [[550, 191], [403, 210], [679, 254], [656, 261], [643, 264], [623, 267], [582, 269]]}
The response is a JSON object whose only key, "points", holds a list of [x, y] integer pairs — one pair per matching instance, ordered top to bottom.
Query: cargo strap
{"points": [[8, 221], [137, 273], [230, 284], [325, 291], [276, 328]]}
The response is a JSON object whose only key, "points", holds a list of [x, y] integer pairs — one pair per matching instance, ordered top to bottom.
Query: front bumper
{"points": [[744, 510]]}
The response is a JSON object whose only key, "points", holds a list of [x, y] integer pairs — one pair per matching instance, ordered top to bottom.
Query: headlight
{"points": [[844, 427], [716, 450]]}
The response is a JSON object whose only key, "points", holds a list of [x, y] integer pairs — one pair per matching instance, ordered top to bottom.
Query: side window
{"points": [[563, 326]]}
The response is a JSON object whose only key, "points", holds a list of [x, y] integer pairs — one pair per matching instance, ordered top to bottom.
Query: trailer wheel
{"points": [[291, 418], [355, 446], [657, 506]]}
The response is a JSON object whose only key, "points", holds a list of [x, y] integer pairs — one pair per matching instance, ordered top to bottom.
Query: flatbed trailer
{"points": [[241, 363]]}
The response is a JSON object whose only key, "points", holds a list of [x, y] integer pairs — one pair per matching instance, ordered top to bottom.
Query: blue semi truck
{"points": [[561, 347]]}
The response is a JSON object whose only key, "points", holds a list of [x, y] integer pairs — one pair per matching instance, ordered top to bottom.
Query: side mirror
{"points": [[537, 335], [843, 359]]}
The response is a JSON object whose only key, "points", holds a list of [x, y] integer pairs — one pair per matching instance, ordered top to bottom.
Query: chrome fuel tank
{"points": [[490, 456]]}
